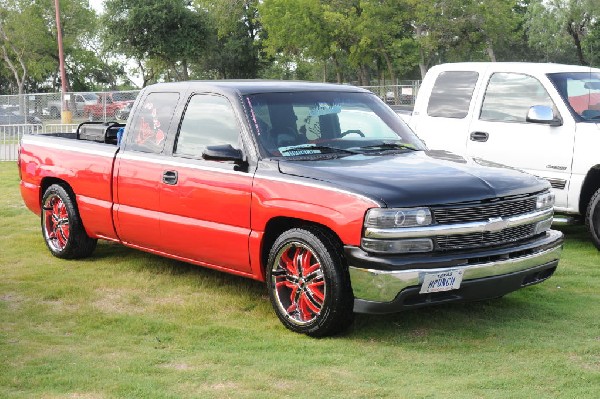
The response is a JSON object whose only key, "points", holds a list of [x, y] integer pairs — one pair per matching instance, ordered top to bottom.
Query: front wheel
{"points": [[592, 218], [61, 225], [308, 282]]}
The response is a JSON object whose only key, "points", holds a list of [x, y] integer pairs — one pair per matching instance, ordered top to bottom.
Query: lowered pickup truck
{"points": [[540, 118], [317, 189]]}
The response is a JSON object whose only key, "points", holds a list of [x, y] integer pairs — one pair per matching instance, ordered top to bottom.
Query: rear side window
{"points": [[451, 94], [208, 120], [151, 122]]}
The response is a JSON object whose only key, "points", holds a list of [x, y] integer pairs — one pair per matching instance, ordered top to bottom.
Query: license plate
{"points": [[443, 281]]}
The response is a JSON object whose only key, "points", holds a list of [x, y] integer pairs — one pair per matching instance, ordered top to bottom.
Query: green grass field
{"points": [[126, 324]]}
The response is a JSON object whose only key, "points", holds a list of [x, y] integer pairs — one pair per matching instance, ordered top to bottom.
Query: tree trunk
{"points": [[574, 33], [490, 50], [422, 64], [186, 73], [338, 75], [20, 78]]}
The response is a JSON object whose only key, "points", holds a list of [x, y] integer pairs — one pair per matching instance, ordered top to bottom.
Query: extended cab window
{"points": [[451, 94], [509, 96], [208, 120], [151, 123]]}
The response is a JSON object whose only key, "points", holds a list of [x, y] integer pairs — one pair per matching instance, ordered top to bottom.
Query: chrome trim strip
{"points": [[109, 152], [168, 160], [175, 163], [320, 186], [491, 225], [384, 286]]}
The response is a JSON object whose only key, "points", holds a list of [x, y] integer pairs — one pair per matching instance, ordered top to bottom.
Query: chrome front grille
{"points": [[483, 211], [477, 240]]}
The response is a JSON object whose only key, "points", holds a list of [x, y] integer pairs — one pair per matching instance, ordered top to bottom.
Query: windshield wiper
{"points": [[389, 146]]}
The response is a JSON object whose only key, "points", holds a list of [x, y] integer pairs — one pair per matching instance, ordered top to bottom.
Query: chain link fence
{"points": [[401, 95], [46, 113]]}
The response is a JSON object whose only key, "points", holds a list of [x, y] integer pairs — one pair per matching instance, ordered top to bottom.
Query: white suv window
{"points": [[451, 94], [509, 96]]}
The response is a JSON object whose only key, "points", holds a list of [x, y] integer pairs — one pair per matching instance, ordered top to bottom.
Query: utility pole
{"points": [[65, 113]]}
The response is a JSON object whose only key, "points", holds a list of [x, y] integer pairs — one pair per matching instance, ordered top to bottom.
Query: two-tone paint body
{"points": [[226, 215]]}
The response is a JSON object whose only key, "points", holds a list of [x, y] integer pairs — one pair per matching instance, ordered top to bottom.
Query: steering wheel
{"points": [[355, 131]]}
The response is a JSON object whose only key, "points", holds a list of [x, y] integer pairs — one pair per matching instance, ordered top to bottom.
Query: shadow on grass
{"points": [[144, 261], [533, 305]]}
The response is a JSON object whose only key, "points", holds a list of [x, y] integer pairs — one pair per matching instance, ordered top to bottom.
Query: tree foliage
{"points": [[167, 32], [359, 41]]}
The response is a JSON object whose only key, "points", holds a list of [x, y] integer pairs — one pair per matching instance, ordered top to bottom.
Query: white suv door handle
{"points": [[479, 136]]}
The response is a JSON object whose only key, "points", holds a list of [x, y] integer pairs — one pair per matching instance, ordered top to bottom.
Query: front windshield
{"points": [[581, 93], [308, 123]]}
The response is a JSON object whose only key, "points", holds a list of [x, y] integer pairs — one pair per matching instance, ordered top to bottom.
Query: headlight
{"points": [[544, 201], [384, 218], [396, 218]]}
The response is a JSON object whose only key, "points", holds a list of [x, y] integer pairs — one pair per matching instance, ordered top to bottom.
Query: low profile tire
{"points": [[592, 218], [61, 225], [308, 282]]}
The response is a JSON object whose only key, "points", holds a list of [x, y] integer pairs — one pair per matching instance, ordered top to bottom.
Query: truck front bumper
{"points": [[387, 284]]}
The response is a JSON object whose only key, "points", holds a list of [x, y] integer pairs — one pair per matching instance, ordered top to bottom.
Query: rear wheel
{"points": [[592, 218], [61, 225], [308, 282]]}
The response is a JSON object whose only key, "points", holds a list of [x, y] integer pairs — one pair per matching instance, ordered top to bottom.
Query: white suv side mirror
{"points": [[544, 115]]}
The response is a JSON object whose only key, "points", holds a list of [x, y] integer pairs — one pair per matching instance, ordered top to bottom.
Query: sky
{"points": [[97, 5]]}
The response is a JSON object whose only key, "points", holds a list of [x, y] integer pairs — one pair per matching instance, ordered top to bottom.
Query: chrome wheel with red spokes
{"points": [[55, 222], [61, 225], [308, 281], [299, 283]]}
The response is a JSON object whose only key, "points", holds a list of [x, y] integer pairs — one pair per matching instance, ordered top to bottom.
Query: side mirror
{"points": [[544, 115], [224, 152]]}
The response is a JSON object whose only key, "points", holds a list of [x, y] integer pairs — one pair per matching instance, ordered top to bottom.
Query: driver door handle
{"points": [[479, 136], [170, 177]]}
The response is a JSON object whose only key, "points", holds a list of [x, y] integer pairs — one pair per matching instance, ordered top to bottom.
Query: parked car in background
{"points": [[76, 104], [108, 104], [10, 115], [540, 118], [14, 123]]}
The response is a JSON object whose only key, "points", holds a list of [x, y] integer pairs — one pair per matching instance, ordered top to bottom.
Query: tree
{"points": [[560, 28], [297, 29], [158, 32], [24, 44], [28, 45], [235, 45]]}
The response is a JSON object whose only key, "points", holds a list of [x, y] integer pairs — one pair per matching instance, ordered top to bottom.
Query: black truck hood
{"points": [[417, 178]]}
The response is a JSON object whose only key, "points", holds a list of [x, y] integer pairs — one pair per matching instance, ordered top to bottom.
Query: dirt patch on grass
{"points": [[13, 301]]}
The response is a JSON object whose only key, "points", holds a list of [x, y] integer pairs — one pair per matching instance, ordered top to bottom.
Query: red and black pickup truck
{"points": [[320, 190]]}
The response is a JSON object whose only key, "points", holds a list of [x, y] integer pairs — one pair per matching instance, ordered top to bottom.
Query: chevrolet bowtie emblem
{"points": [[496, 224]]}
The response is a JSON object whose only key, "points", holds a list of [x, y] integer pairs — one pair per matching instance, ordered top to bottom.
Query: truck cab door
{"points": [[442, 114], [500, 132], [138, 172], [205, 203]]}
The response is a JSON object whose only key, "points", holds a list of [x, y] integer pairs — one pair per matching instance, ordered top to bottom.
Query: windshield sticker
{"points": [[325, 109], [304, 149]]}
